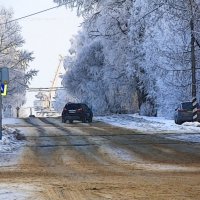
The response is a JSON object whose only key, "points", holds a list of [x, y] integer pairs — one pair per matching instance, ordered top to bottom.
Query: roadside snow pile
{"points": [[149, 124], [197, 124], [188, 131], [11, 140]]}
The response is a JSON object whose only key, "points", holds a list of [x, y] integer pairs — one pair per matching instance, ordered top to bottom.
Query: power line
{"points": [[36, 13]]}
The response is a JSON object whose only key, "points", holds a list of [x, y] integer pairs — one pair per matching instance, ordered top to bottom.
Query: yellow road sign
{"points": [[4, 89]]}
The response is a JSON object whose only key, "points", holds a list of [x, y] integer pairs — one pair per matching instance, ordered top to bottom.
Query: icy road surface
{"points": [[99, 162]]}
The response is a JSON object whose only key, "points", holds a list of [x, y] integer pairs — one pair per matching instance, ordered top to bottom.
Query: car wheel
{"points": [[84, 119], [63, 120], [90, 120], [70, 121], [178, 122]]}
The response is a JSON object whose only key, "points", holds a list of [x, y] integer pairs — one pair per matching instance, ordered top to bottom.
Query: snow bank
{"points": [[149, 124], [197, 124], [188, 131], [12, 139]]}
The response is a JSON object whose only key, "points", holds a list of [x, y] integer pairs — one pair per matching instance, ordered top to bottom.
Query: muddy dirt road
{"points": [[98, 162]]}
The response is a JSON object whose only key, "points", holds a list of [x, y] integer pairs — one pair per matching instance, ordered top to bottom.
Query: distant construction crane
{"points": [[52, 91], [46, 95]]}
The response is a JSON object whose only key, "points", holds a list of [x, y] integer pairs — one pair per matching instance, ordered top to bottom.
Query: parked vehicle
{"points": [[77, 111], [183, 113]]}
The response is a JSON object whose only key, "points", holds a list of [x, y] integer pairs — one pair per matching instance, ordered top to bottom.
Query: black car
{"points": [[77, 111], [183, 113]]}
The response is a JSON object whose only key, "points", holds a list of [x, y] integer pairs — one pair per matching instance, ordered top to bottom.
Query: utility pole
{"points": [[193, 68], [4, 79], [0, 107], [18, 108], [31, 111]]}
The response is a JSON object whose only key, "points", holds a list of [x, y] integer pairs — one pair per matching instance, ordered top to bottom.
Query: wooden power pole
{"points": [[193, 68]]}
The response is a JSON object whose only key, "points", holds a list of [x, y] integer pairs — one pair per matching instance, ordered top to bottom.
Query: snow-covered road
{"points": [[189, 132], [97, 161]]}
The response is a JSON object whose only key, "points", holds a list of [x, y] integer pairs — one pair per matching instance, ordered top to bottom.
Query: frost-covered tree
{"points": [[83, 7], [186, 15], [161, 37], [144, 54], [15, 58], [97, 72], [83, 78]]}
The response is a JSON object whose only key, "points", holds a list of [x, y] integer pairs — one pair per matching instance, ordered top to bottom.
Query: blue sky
{"points": [[46, 34]]}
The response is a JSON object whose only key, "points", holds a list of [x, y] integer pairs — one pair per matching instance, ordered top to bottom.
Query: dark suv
{"points": [[76, 111], [183, 113]]}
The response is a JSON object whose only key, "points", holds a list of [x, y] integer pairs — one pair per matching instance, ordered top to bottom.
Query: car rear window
{"points": [[73, 106], [188, 106]]}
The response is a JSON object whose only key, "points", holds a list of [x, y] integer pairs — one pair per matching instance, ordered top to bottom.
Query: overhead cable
{"points": [[36, 13]]}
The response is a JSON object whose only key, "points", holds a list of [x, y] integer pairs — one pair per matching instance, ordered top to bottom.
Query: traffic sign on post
{"points": [[4, 80], [4, 88]]}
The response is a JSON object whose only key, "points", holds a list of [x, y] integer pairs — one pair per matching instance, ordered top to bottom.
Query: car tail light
{"points": [[64, 109], [80, 110], [198, 110]]}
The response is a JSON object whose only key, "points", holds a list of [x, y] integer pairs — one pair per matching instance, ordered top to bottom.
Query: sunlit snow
{"points": [[188, 131]]}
